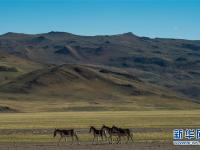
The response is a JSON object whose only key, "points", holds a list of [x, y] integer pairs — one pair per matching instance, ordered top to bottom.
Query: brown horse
{"points": [[66, 133], [110, 133], [123, 133], [96, 134]]}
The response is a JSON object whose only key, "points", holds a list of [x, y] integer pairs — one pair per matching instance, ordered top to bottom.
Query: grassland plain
{"points": [[146, 125]]}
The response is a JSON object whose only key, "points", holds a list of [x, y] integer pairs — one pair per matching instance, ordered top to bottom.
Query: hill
{"points": [[99, 70]]}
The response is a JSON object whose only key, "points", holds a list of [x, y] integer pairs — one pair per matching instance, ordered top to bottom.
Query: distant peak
{"points": [[55, 32], [8, 33], [58, 33], [11, 34], [129, 34], [14, 35]]}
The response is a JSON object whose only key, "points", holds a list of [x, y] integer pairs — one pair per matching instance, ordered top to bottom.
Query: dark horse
{"points": [[66, 133], [96, 133], [109, 133], [123, 133]]}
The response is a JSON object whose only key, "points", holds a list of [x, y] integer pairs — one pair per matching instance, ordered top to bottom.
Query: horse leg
{"points": [[104, 135], [131, 135], [77, 138], [102, 138], [111, 138], [128, 138], [97, 139], [108, 139], [119, 139], [72, 140], [93, 140], [59, 141], [113, 141]]}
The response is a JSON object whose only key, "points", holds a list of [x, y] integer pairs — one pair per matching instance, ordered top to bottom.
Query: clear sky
{"points": [[152, 18]]}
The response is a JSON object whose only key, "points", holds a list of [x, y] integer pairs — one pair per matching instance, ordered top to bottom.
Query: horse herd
{"points": [[105, 133]]}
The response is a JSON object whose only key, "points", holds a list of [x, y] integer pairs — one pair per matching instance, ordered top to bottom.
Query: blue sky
{"points": [[152, 18]]}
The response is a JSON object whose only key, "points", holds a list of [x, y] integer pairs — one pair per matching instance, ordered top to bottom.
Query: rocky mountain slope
{"points": [[65, 65]]}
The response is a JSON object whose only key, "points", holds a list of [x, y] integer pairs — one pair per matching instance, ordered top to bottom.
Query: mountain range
{"points": [[122, 68]]}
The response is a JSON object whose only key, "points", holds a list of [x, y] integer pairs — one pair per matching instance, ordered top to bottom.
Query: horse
{"points": [[106, 130], [66, 133], [96, 133], [109, 133], [123, 133]]}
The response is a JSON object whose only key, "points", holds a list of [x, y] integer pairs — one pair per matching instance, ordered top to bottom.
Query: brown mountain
{"points": [[143, 65]]}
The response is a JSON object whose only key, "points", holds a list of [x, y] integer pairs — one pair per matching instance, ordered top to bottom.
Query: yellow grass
{"points": [[133, 119], [165, 120]]}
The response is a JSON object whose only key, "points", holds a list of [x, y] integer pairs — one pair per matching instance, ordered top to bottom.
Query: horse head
{"points": [[92, 128]]}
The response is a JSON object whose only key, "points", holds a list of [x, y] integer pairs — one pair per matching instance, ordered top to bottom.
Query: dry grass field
{"points": [[146, 125], [151, 129]]}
